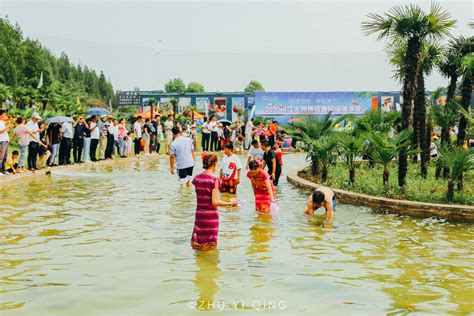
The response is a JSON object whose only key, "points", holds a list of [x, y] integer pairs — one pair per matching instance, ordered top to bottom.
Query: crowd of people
{"points": [[105, 137], [43, 143], [263, 167]]}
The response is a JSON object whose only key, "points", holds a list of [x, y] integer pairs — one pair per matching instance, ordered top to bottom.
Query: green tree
{"points": [[413, 26], [11, 53], [449, 66], [467, 70], [65, 71], [90, 81], [175, 85], [102, 86], [254, 86], [195, 87], [174, 103], [191, 110], [444, 116], [307, 129], [351, 146], [386, 149], [322, 152], [458, 161]]}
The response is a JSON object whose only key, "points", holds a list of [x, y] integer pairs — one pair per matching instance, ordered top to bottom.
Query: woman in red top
{"points": [[263, 187]]}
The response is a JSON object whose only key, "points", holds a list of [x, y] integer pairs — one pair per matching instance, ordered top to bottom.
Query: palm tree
{"points": [[412, 25], [430, 55], [449, 66], [467, 69], [174, 102], [192, 109], [444, 116], [372, 120], [307, 129], [351, 146], [385, 149], [321, 151], [458, 161]]}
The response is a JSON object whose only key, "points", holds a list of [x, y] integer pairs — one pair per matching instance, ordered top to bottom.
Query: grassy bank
{"points": [[369, 181]]}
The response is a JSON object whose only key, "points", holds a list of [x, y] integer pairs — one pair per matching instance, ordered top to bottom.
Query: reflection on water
{"points": [[261, 234], [115, 240], [205, 280]]}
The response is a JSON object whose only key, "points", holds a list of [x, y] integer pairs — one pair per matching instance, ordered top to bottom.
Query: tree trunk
{"points": [[412, 63], [451, 87], [466, 95], [45, 104], [417, 104], [429, 135], [424, 146], [315, 168], [439, 168], [324, 173], [352, 174], [386, 176], [460, 183], [450, 193]]}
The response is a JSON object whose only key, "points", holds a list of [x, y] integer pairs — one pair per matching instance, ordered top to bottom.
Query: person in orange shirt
{"points": [[273, 132]]}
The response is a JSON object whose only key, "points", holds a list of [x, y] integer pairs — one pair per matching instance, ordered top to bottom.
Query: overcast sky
{"points": [[286, 45]]}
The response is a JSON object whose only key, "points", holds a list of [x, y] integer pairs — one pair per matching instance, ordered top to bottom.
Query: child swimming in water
{"points": [[263, 187], [322, 196], [206, 223]]}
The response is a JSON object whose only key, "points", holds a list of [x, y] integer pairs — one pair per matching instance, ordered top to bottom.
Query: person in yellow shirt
{"points": [[12, 163]]}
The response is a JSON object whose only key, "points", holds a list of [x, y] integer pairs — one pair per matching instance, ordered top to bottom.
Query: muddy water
{"points": [[115, 241]]}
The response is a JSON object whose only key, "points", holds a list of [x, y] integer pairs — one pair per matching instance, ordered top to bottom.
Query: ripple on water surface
{"points": [[115, 240]]}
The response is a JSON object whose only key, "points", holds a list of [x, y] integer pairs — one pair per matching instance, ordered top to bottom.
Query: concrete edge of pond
{"points": [[463, 213]]}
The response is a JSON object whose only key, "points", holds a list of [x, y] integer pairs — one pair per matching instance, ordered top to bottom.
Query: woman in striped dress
{"points": [[263, 187], [206, 223]]}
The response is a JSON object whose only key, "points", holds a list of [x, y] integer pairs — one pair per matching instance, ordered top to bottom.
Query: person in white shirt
{"points": [[212, 126], [110, 128], [137, 130], [168, 133], [248, 134], [95, 135], [206, 135], [220, 137], [4, 141], [66, 144], [33, 146], [433, 147], [182, 152], [255, 152], [230, 170]]}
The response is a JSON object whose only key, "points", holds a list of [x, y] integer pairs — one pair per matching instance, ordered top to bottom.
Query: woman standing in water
{"points": [[263, 188], [206, 223]]}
